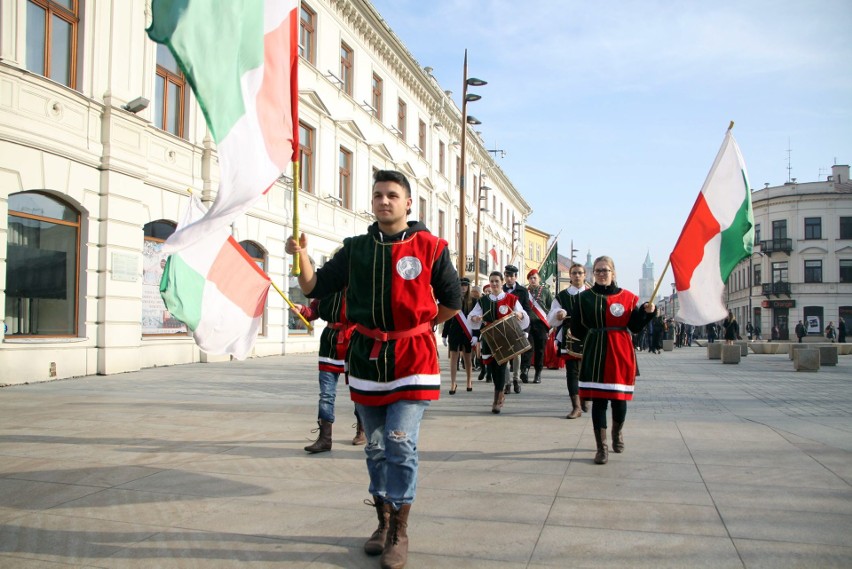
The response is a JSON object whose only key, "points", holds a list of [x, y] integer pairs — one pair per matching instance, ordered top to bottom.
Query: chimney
{"points": [[840, 174]]}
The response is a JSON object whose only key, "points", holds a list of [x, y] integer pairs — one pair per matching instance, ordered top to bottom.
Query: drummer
{"points": [[488, 310], [560, 310]]}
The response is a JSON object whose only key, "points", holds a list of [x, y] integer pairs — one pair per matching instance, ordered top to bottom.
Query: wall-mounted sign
{"points": [[788, 303]]}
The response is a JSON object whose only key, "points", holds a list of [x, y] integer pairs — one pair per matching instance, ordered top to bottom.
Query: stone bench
{"points": [[668, 345], [743, 345], [764, 348], [795, 348], [714, 351], [731, 354], [828, 355], [806, 360]]}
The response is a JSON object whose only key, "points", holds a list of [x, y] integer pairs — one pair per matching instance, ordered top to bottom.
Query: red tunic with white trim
{"points": [[392, 283], [605, 319], [334, 340]]}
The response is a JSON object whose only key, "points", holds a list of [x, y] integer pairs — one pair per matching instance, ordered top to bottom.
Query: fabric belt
{"points": [[338, 326], [608, 329], [381, 336]]}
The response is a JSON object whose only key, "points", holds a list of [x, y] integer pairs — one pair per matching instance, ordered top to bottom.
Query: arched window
{"points": [[258, 255], [42, 266], [156, 320]]}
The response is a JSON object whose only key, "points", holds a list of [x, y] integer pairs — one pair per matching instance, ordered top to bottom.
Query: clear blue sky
{"points": [[611, 113]]}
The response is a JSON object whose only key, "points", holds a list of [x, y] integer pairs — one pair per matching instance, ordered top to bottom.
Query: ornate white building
{"points": [[101, 142], [801, 268]]}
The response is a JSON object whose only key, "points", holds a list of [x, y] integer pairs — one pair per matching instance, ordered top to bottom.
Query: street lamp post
{"points": [[465, 121], [478, 236]]}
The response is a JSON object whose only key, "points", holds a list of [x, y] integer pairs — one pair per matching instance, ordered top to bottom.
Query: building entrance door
{"points": [[781, 320]]}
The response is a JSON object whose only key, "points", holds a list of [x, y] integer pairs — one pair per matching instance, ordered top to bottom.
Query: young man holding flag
{"points": [[400, 283]]}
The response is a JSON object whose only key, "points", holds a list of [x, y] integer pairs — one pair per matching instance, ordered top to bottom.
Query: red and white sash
{"points": [[465, 325]]}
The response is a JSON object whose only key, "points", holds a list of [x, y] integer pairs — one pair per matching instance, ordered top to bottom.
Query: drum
{"points": [[506, 338], [570, 346]]}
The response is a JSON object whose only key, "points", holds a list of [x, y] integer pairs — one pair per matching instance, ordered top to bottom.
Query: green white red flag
{"points": [[241, 59], [718, 234], [215, 288]]}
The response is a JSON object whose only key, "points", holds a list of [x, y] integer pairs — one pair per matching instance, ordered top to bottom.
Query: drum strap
{"points": [[380, 336]]}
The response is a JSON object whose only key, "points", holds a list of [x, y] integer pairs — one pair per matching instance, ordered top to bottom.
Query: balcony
{"points": [[776, 246], [777, 289]]}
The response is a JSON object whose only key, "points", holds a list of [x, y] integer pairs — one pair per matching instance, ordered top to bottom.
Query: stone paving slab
{"points": [[202, 466]]}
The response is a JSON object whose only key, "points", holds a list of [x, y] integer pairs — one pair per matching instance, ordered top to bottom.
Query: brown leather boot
{"points": [[584, 405], [495, 406], [575, 411], [617, 437], [359, 439], [323, 442], [602, 456], [376, 544], [395, 555]]}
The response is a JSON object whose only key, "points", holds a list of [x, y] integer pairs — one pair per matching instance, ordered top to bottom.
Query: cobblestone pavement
{"points": [[201, 465]]}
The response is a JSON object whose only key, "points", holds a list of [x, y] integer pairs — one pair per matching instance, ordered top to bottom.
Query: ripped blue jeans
{"points": [[392, 432]]}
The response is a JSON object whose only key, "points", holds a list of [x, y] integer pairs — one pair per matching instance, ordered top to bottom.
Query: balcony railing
{"points": [[776, 246], [777, 289]]}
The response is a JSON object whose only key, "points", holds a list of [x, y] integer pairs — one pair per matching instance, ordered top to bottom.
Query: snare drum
{"points": [[506, 338]]}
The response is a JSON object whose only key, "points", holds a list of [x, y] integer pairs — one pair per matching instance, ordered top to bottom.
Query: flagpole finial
{"points": [[731, 126]]}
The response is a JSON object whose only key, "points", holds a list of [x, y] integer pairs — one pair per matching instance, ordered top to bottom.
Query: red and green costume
{"points": [[393, 285], [605, 318]]}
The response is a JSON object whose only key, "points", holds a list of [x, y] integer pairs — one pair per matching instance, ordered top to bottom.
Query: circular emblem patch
{"points": [[409, 268], [503, 309], [616, 309]]}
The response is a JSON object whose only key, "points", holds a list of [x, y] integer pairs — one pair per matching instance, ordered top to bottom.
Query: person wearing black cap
{"points": [[511, 286], [457, 333]]}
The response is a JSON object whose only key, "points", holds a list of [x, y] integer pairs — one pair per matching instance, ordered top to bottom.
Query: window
{"points": [[307, 34], [52, 39], [346, 60], [169, 93], [377, 96], [401, 119], [421, 137], [442, 157], [306, 158], [458, 171], [345, 181], [423, 210], [442, 224], [846, 227], [813, 228], [779, 229], [756, 233], [531, 251], [538, 252], [258, 256], [42, 264], [846, 270], [813, 271], [779, 272], [757, 275], [156, 319]]}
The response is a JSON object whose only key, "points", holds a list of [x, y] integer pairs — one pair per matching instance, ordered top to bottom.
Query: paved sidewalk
{"points": [[202, 465]]}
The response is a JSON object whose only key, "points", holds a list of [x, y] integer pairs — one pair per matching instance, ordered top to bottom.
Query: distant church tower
{"points": [[589, 267], [647, 282]]}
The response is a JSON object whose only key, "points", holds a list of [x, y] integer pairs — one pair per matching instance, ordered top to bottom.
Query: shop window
{"points": [[42, 266], [156, 319]]}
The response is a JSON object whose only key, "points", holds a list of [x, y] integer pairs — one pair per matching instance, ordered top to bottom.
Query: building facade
{"points": [[98, 159], [535, 246], [801, 268]]}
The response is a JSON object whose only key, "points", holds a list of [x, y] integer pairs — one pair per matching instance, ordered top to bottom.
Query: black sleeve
{"points": [[333, 276], [445, 282], [523, 295], [639, 318], [578, 329]]}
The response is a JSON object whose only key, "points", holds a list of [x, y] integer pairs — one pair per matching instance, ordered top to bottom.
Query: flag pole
{"points": [[297, 269], [660, 281], [293, 306]]}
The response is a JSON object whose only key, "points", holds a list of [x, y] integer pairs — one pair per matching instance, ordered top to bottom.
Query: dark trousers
{"points": [[537, 335], [498, 374], [572, 376], [619, 412]]}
